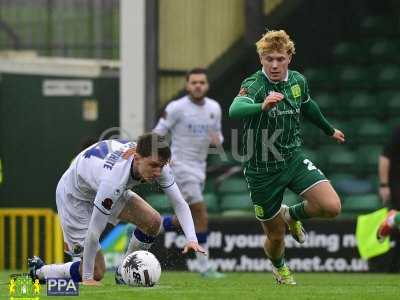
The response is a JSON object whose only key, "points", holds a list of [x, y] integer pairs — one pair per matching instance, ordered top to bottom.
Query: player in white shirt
{"points": [[193, 122], [95, 190]]}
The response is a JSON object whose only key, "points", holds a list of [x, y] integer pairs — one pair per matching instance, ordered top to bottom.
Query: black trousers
{"points": [[390, 261]]}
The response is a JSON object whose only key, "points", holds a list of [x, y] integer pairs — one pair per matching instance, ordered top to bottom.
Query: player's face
{"points": [[275, 64], [197, 86], [149, 168]]}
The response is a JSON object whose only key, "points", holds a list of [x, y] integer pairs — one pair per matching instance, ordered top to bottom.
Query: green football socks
{"points": [[297, 212]]}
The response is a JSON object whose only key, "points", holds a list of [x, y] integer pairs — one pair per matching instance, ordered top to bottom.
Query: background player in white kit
{"points": [[194, 122], [95, 190]]}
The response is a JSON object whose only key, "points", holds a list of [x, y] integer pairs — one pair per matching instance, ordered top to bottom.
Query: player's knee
{"points": [[333, 209], [153, 226], [276, 235], [275, 239]]}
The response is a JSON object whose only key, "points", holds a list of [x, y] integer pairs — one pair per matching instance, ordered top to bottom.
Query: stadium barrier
{"points": [[25, 232]]}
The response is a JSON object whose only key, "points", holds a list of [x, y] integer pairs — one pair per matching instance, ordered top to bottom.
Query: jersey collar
{"points": [[275, 82], [201, 103]]}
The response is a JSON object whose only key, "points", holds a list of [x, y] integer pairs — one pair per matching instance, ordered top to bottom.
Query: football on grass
{"points": [[141, 268]]}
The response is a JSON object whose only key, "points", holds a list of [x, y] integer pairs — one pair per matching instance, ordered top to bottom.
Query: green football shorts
{"points": [[267, 188]]}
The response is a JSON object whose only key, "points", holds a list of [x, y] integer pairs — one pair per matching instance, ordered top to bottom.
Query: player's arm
{"points": [[244, 105], [311, 111], [167, 120], [216, 136], [385, 164], [383, 168], [104, 201], [181, 208], [182, 212], [97, 225]]}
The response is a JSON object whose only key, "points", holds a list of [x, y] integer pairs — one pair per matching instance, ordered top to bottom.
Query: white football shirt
{"points": [[189, 125], [102, 165]]}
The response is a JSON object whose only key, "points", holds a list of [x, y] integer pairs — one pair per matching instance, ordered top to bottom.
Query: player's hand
{"points": [[271, 100], [338, 136], [214, 138], [384, 193], [193, 246], [91, 282]]}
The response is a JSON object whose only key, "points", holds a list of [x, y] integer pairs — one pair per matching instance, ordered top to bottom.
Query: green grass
{"points": [[243, 286]]}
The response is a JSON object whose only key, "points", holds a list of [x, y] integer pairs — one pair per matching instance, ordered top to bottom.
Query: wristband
{"points": [[384, 185]]}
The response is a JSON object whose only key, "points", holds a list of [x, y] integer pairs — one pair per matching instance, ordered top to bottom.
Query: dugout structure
{"points": [[48, 106]]}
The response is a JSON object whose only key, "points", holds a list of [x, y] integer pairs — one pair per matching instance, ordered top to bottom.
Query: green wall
{"points": [[40, 135]]}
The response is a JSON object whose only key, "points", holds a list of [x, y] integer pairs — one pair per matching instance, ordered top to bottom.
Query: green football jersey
{"points": [[271, 137]]}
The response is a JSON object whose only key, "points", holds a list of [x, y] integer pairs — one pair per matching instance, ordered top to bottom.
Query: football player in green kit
{"points": [[270, 103]]}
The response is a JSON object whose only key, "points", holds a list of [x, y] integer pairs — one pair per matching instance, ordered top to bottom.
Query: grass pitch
{"points": [[243, 286]]}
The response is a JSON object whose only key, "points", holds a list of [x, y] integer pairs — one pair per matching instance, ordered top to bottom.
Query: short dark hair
{"points": [[195, 71], [152, 144]]}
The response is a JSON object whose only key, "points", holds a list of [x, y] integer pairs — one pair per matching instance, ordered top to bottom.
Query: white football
{"points": [[141, 268]]}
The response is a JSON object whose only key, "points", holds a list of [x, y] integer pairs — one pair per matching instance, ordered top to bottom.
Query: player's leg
{"points": [[266, 191], [192, 192], [320, 199], [137, 211], [268, 212], [74, 217], [200, 217], [147, 220], [274, 247], [99, 267], [38, 269]]}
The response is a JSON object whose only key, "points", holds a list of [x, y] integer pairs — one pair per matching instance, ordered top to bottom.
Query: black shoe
{"points": [[34, 264], [118, 277]]}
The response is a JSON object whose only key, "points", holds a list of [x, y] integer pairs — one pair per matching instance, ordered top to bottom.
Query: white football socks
{"points": [[135, 245], [202, 260], [54, 271]]}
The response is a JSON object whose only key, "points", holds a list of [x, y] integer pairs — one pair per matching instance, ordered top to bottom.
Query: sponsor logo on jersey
{"points": [[296, 91], [274, 112], [212, 116], [198, 129], [107, 203]]}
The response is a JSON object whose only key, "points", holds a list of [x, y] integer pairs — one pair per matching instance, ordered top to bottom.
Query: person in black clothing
{"points": [[389, 188]]}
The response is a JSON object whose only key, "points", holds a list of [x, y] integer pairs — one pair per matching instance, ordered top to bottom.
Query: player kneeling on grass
{"points": [[271, 102], [95, 190]]}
